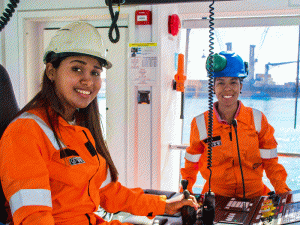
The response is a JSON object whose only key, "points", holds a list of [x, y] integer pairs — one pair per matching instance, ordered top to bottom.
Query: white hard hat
{"points": [[77, 38]]}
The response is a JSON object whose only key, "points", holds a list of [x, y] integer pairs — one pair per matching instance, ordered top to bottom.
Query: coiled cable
{"points": [[7, 14], [114, 26], [210, 91], [234, 123]]}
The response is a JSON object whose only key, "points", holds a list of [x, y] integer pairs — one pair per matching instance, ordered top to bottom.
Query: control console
{"points": [[265, 210], [272, 210]]}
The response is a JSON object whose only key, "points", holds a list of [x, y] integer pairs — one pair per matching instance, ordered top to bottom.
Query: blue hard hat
{"points": [[227, 64]]}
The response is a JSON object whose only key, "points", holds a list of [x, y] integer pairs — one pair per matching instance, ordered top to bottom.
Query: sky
{"points": [[272, 44]]}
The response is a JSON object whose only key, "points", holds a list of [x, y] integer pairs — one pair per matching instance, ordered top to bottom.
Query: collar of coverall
{"points": [[239, 111]]}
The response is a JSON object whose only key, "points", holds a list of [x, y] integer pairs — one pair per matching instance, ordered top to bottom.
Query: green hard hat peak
{"points": [[218, 61]]}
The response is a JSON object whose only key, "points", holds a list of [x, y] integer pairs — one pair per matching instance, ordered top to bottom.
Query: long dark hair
{"points": [[88, 117]]}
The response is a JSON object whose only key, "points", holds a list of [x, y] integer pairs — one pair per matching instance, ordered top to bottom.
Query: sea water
{"points": [[280, 113]]}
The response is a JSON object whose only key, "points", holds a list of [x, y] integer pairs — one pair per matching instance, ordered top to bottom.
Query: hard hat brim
{"points": [[51, 55]]}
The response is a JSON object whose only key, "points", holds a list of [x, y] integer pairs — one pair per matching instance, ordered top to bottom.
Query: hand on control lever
{"points": [[174, 204], [188, 213]]}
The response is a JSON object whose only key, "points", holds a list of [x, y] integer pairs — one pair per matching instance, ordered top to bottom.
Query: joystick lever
{"points": [[188, 213]]}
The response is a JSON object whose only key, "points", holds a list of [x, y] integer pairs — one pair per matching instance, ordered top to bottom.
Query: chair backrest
{"points": [[8, 103], [8, 110]]}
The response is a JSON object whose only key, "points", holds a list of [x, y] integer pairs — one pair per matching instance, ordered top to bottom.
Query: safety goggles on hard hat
{"points": [[77, 38], [227, 64]]}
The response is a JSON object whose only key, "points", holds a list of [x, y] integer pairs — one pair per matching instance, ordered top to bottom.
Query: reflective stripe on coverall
{"points": [[258, 150], [45, 185]]}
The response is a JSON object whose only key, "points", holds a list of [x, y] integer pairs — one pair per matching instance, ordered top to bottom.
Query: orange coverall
{"points": [[258, 151], [44, 186]]}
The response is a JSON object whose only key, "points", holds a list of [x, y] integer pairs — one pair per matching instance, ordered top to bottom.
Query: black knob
{"points": [[184, 184]]}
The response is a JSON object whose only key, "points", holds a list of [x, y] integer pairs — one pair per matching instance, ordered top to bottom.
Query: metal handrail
{"points": [[282, 154]]}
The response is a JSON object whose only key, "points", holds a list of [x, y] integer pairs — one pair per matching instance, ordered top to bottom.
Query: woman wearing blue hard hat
{"points": [[243, 144]]}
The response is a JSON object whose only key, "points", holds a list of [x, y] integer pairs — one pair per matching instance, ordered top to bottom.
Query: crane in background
{"points": [[252, 58], [268, 65]]}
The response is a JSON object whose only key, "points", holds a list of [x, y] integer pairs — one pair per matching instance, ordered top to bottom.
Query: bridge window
{"points": [[272, 51]]}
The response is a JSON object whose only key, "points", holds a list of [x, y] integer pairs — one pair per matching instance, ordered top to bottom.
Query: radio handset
{"points": [[208, 211]]}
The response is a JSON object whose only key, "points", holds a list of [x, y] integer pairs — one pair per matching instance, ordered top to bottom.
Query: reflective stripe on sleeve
{"points": [[257, 119], [201, 126], [44, 127], [268, 153], [192, 158], [108, 179], [30, 197]]}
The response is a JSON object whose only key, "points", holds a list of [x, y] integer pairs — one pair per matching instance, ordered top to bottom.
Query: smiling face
{"points": [[77, 82], [227, 91]]}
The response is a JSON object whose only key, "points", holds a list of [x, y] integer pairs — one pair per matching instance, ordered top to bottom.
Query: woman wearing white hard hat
{"points": [[243, 142], [55, 166]]}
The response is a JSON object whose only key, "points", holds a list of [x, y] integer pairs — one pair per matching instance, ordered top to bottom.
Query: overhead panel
{"points": [[147, 2]]}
